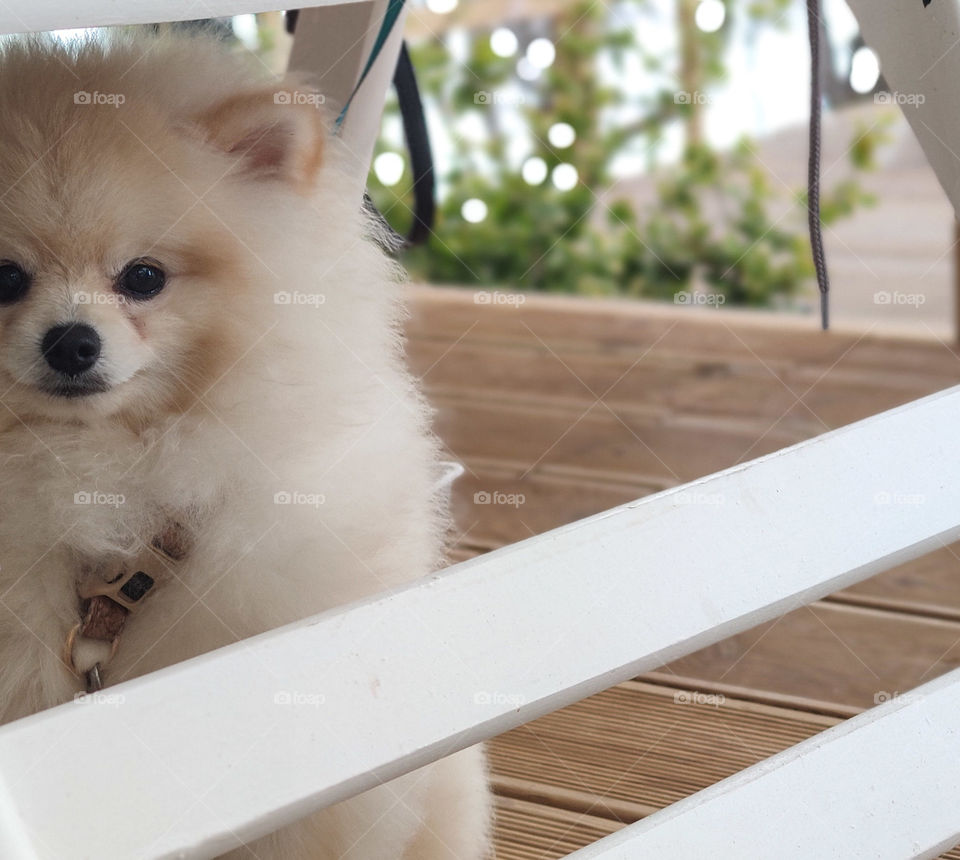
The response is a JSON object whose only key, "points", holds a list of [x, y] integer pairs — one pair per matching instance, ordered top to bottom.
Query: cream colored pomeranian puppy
{"points": [[203, 400]]}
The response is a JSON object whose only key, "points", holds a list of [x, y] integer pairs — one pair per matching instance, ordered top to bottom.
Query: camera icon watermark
{"points": [[82, 97], [296, 97], [496, 97], [684, 97], [899, 99], [82, 297], [498, 297], [884, 297], [296, 298], [696, 298], [285, 497], [495, 497], [694, 497], [888, 497], [113, 500], [883, 696], [100, 697], [695, 697], [298, 698], [488, 698]]}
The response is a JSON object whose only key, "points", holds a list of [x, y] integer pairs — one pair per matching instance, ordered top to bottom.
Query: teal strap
{"points": [[394, 8]]}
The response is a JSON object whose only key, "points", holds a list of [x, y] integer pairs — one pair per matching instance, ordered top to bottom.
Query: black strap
{"points": [[418, 145], [813, 166]]}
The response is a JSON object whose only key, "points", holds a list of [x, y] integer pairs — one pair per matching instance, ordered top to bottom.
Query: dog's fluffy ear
{"points": [[270, 135]]}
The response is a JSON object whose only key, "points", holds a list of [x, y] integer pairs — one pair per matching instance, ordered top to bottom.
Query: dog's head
{"points": [[120, 260]]}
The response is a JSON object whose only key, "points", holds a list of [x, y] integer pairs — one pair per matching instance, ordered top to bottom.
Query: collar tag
{"points": [[131, 584]]}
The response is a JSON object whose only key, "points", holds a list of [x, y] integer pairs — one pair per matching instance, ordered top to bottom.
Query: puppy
{"points": [[202, 384]]}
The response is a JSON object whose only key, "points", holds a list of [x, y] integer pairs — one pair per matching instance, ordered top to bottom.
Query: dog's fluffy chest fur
{"points": [[277, 532]]}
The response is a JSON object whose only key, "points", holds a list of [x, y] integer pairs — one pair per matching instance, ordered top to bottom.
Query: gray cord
{"points": [[813, 167]]}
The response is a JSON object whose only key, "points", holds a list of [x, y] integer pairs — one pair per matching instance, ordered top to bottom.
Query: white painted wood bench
{"points": [[525, 630]]}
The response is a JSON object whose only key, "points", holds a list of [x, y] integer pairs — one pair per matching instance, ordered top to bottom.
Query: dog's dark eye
{"points": [[141, 279], [14, 283]]}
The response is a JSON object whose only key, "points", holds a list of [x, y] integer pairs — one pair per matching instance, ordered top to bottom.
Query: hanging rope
{"points": [[813, 167]]}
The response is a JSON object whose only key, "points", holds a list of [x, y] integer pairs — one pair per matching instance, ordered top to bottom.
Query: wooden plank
{"points": [[31, 16], [635, 326], [720, 387], [640, 448], [543, 499], [928, 586], [540, 624], [845, 655], [805, 704], [637, 748], [883, 785], [533, 831]]}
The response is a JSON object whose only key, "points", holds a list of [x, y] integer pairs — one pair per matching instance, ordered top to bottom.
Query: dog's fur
{"points": [[220, 396]]}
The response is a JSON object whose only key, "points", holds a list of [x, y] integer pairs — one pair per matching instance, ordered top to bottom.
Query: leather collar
{"points": [[108, 597]]}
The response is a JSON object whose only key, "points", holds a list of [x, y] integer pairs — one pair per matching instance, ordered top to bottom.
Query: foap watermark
{"points": [[82, 97], [295, 97], [496, 97], [684, 97], [895, 98], [285, 297], [497, 297], [695, 297], [885, 297], [86, 298], [285, 497], [495, 497], [696, 497], [894, 497], [112, 500], [882, 696], [100, 697], [496, 697], [695, 697], [298, 698]]}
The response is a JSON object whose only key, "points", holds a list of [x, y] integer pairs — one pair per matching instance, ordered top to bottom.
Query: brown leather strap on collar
{"points": [[106, 602], [103, 619]]}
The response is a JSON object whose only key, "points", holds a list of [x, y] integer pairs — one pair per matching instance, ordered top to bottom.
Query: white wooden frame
{"points": [[32, 16], [919, 48], [335, 60], [488, 645]]}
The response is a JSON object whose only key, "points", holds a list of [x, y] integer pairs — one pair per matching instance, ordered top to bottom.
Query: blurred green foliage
{"points": [[711, 226]]}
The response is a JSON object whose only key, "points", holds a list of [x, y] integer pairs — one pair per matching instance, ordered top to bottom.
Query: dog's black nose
{"points": [[71, 349]]}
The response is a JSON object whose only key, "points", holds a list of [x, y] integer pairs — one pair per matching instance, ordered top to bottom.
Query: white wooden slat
{"points": [[32, 16], [917, 44], [333, 46], [487, 645], [882, 786]]}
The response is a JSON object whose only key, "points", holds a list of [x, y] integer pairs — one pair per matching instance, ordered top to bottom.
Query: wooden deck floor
{"points": [[580, 406]]}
